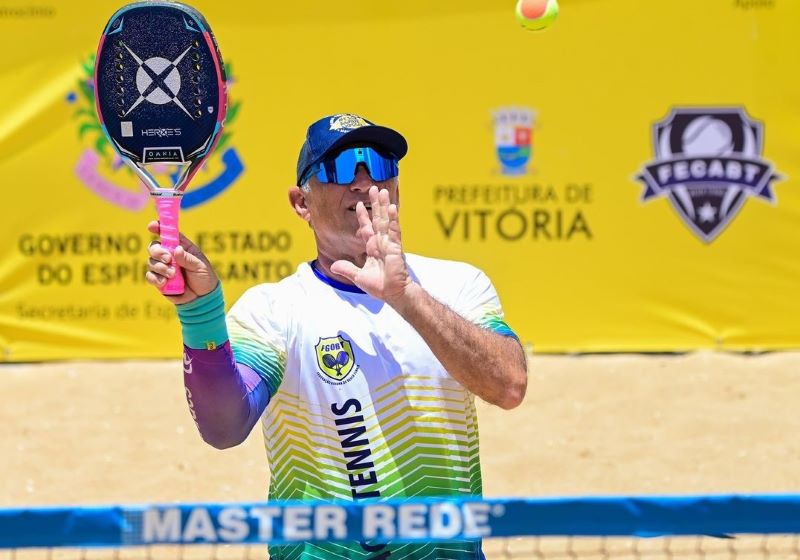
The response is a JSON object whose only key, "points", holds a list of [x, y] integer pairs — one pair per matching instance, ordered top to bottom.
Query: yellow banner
{"points": [[627, 178]]}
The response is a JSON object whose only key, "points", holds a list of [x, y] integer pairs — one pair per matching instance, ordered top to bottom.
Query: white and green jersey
{"points": [[360, 407]]}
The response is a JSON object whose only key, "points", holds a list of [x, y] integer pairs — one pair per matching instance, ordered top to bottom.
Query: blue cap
{"points": [[337, 131]]}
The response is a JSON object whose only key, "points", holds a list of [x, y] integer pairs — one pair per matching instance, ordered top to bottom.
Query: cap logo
{"points": [[345, 122]]}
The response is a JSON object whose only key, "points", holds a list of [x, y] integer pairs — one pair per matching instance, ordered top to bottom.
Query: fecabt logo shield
{"points": [[513, 138], [708, 162], [103, 172], [335, 357]]}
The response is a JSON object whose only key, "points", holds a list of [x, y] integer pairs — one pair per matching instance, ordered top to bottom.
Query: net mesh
{"points": [[772, 547]]}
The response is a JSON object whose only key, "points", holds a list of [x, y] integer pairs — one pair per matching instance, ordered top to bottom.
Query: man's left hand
{"points": [[384, 274]]}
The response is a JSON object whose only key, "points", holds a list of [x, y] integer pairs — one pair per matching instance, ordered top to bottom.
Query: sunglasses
{"points": [[342, 168]]}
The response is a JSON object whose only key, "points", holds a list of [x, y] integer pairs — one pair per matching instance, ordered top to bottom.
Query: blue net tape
{"points": [[422, 520]]}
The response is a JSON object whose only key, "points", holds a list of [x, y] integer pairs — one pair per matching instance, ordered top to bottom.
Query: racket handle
{"points": [[167, 207]]}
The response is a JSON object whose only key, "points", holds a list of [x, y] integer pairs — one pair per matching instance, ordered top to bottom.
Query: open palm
{"points": [[384, 274]]}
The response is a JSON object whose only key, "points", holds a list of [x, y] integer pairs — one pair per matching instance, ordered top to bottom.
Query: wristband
{"points": [[203, 321]]}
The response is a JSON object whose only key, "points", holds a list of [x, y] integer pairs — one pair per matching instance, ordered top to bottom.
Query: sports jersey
{"points": [[359, 405]]}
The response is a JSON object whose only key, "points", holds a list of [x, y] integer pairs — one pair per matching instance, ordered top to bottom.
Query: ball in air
{"points": [[536, 15]]}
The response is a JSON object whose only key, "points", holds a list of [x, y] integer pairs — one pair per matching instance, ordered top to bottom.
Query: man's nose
{"points": [[363, 181]]}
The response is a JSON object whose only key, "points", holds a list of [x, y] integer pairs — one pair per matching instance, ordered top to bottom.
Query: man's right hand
{"points": [[199, 275]]}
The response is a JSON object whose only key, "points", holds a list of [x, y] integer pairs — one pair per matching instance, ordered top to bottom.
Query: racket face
{"points": [[160, 83]]}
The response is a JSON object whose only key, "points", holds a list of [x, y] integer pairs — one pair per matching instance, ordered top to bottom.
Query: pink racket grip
{"points": [[168, 207]]}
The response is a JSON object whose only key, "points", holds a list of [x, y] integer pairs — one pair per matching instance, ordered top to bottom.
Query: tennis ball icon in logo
{"points": [[536, 15], [708, 136]]}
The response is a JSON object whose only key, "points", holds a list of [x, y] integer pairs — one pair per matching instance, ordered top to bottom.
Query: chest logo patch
{"points": [[335, 357]]}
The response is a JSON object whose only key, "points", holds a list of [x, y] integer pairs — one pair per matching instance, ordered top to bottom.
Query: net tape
{"points": [[704, 519]]}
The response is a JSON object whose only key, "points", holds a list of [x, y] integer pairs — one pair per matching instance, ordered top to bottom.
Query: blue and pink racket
{"points": [[161, 98]]}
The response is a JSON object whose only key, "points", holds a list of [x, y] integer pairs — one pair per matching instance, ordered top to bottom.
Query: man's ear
{"points": [[297, 198]]}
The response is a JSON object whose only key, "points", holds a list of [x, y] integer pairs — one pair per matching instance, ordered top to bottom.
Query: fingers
{"points": [[376, 197], [379, 198], [374, 202], [383, 203], [363, 217], [384, 221], [394, 224], [155, 228], [365, 230], [189, 245], [155, 250], [158, 253], [187, 260], [159, 265], [163, 265], [159, 269], [345, 269], [154, 279]]}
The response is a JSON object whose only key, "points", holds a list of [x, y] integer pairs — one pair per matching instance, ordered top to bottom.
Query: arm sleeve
{"points": [[479, 303], [228, 395], [225, 399]]}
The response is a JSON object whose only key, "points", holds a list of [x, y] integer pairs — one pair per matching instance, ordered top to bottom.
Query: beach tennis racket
{"points": [[161, 99]]}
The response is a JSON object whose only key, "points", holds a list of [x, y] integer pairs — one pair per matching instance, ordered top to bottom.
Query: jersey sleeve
{"points": [[479, 303], [256, 327]]}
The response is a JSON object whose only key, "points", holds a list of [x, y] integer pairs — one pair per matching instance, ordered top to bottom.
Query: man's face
{"points": [[331, 212]]}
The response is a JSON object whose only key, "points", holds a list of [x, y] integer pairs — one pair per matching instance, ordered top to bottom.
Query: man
{"points": [[364, 362]]}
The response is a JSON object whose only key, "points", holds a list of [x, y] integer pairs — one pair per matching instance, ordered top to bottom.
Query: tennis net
{"points": [[632, 527]]}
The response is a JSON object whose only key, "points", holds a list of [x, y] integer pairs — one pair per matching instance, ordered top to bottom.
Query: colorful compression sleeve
{"points": [[203, 320], [225, 399]]}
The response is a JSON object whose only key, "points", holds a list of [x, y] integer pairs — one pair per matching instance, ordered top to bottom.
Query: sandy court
{"points": [[120, 432]]}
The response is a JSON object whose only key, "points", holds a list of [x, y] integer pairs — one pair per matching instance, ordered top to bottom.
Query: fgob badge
{"points": [[335, 357]]}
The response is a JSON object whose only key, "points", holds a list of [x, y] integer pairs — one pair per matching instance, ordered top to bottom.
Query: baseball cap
{"points": [[336, 131]]}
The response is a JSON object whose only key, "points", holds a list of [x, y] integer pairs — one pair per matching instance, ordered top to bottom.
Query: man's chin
{"points": [[350, 247]]}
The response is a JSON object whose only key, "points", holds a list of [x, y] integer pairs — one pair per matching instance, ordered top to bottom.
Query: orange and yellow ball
{"points": [[537, 15]]}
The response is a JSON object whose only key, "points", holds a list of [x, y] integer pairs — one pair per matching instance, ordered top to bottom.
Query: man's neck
{"points": [[325, 260]]}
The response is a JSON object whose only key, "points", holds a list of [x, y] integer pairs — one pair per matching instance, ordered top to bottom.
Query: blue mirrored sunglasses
{"points": [[342, 168]]}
